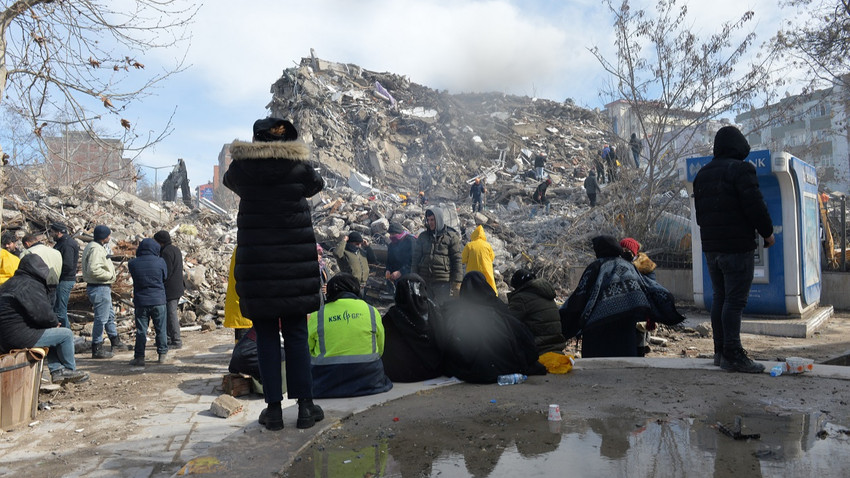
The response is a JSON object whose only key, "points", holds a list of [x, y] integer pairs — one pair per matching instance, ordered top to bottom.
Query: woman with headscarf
{"points": [[276, 270], [606, 304], [346, 338], [481, 339], [410, 349]]}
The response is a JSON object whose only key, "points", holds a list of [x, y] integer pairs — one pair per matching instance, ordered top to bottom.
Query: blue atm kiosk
{"points": [[787, 277]]}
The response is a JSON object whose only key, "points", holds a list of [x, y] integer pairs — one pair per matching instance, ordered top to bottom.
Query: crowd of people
{"points": [[36, 284], [294, 320]]}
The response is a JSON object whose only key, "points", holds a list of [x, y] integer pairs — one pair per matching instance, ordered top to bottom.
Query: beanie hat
{"points": [[548, 181], [59, 227], [395, 228], [101, 232], [355, 236], [162, 237], [631, 245], [520, 277]]}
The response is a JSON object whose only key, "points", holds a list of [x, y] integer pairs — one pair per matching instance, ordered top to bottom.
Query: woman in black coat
{"points": [[277, 271], [480, 337], [410, 349]]}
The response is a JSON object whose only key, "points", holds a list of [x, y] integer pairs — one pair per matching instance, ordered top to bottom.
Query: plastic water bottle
{"points": [[777, 370], [511, 379]]}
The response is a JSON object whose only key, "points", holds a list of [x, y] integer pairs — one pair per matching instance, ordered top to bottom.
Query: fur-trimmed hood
{"points": [[294, 150]]}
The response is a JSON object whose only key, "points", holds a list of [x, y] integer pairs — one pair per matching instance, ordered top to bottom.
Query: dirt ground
{"points": [[122, 393]]}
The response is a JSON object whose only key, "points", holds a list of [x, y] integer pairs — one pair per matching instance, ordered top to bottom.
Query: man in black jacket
{"points": [[730, 210], [70, 250], [174, 287], [27, 320]]}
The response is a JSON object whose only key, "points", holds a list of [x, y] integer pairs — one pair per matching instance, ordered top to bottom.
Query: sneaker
{"points": [[164, 359], [737, 361], [137, 362], [63, 376], [308, 414], [272, 419]]}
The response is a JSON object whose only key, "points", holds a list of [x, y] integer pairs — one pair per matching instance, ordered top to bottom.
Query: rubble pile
{"points": [[399, 138]]}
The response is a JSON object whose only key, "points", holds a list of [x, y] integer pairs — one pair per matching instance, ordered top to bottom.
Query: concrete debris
{"points": [[225, 406]]}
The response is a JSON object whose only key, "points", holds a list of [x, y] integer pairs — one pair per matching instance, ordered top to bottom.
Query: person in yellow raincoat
{"points": [[478, 256], [8, 265], [232, 314]]}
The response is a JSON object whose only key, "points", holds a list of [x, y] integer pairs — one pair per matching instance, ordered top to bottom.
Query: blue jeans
{"points": [[636, 156], [731, 277], [100, 297], [60, 306], [144, 315], [61, 343]]}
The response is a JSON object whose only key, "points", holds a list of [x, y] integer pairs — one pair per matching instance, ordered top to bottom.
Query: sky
{"points": [[535, 48]]}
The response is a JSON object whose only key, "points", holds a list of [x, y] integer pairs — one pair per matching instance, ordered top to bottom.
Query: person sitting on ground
{"points": [[478, 256], [351, 258], [641, 261], [149, 272], [533, 303], [606, 304], [27, 320], [480, 337], [346, 338], [410, 349]]}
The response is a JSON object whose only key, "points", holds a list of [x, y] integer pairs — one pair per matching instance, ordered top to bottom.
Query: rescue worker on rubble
{"points": [[591, 187], [476, 191], [539, 197], [437, 256], [352, 259], [277, 272]]}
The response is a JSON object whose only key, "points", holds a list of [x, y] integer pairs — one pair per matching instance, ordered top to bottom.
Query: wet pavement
{"points": [[184, 438]]}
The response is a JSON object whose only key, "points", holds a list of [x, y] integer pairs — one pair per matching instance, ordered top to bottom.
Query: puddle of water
{"points": [[789, 444]]}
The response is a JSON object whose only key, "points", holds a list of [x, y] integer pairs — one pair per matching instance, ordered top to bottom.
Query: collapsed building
{"points": [[378, 140]]}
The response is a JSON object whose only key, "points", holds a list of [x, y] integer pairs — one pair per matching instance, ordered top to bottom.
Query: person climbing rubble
{"points": [[476, 192], [539, 197]]}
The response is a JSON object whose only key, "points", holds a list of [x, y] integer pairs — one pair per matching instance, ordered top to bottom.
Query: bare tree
{"points": [[817, 38], [83, 60], [677, 86]]}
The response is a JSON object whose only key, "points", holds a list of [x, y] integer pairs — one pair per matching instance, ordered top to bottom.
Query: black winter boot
{"points": [[117, 345], [98, 352], [736, 360], [308, 413], [272, 417]]}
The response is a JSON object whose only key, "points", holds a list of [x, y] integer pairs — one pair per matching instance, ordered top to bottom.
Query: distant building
{"points": [[812, 127], [693, 135], [77, 158], [221, 195]]}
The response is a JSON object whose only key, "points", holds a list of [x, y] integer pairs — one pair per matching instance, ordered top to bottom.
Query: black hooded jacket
{"points": [[729, 205], [70, 251], [437, 254], [173, 258], [277, 268], [24, 309], [481, 339], [410, 348]]}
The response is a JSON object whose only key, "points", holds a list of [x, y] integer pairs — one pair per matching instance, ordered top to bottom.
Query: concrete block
{"points": [[225, 406]]}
